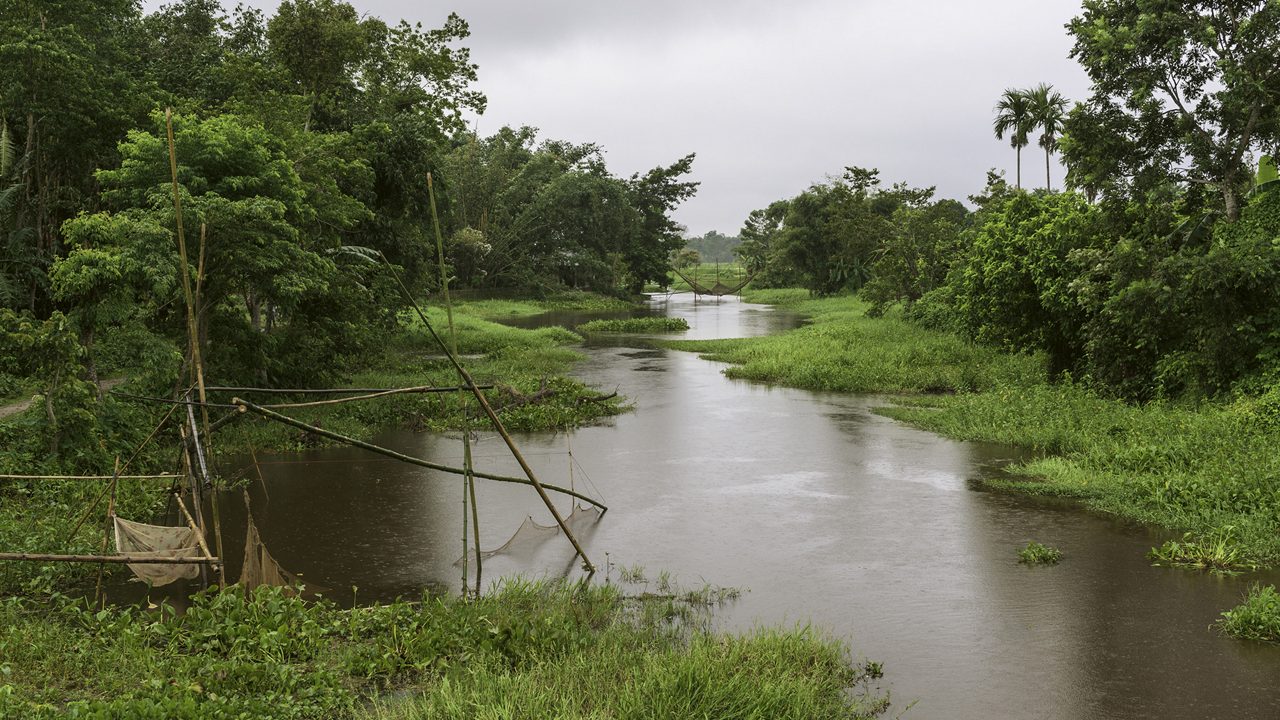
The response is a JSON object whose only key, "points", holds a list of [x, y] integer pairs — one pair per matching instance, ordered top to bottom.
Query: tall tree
{"points": [[1187, 90], [1048, 111], [1014, 118]]}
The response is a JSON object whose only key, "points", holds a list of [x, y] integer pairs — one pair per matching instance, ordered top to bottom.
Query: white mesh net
{"points": [[530, 535]]}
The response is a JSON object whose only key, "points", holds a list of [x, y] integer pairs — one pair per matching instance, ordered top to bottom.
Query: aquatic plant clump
{"points": [[636, 325], [1217, 551], [1036, 554], [1257, 618]]}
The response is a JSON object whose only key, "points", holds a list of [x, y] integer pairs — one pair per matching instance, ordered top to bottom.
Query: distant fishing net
{"points": [[530, 535], [134, 538]]}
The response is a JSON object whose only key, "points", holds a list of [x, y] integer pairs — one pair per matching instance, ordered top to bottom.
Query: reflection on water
{"points": [[826, 513]]}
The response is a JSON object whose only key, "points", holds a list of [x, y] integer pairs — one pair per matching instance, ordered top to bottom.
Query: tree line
{"points": [[304, 141], [1155, 273]]}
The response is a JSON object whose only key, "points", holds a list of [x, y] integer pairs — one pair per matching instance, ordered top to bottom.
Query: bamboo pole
{"points": [[338, 391], [370, 396], [484, 402], [204, 414], [271, 414], [468, 479], [193, 484], [213, 492], [191, 523], [130, 559]]}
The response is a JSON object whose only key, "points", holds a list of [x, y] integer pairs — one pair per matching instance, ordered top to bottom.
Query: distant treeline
{"points": [[713, 247]]}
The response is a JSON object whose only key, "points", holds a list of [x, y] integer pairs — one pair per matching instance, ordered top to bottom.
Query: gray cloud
{"points": [[771, 96]]}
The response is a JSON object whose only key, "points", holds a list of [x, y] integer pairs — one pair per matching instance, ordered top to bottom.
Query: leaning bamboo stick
{"points": [[339, 391], [480, 398], [272, 415], [191, 523], [130, 559]]}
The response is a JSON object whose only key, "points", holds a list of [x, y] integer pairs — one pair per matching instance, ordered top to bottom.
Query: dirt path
{"points": [[16, 407]]}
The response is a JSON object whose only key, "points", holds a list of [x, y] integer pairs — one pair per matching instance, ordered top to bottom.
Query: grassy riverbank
{"points": [[527, 368], [1210, 470], [527, 651]]}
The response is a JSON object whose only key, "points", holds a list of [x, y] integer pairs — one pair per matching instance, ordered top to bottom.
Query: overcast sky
{"points": [[771, 96]]}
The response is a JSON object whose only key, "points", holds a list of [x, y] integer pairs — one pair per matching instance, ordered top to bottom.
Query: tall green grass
{"points": [[844, 350], [530, 650]]}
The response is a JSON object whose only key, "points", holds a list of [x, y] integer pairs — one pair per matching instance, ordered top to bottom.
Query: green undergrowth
{"points": [[636, 325], [844, 350], [1193, 468], [1037, 554], [1257, 618], [528, 650]]}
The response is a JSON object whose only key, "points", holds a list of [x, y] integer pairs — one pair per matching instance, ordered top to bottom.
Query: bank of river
{"points": [[825, 512]]}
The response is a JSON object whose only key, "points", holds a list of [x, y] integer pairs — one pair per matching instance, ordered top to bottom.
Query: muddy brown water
{"points": [[824, 513]]}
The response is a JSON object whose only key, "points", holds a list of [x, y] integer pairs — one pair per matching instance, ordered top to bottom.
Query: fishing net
{"points": [[530, 535], [134, 538], [259, 567]]}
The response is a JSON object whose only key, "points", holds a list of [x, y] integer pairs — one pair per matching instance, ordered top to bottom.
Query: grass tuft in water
{"points": [[636, 325], [1217, 551], [1036, 554], [1257, 618]]}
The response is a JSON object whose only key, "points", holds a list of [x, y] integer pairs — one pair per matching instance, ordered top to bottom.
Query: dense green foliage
{"points": [[1174, 83], [304, 141], [1257, 618], [538, 650]]}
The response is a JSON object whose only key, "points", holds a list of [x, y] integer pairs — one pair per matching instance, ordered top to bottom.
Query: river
{"points": [[822, 512]]}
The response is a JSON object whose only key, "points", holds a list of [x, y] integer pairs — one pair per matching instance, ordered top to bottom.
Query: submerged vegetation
{"points": [[636, 325], [1037, 554], [535, 649]]}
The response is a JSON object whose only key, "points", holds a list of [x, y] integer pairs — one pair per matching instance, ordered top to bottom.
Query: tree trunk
{"points": [[1019, 150], [1047, 186], [1230, 202]]}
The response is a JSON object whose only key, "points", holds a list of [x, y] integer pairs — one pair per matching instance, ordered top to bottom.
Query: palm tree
{"points": [[1048, 109], [1013, 117]]}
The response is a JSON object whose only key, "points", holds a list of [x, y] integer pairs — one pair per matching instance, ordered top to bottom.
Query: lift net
{"points": [[530, 535], [134, 538], [259, 567]]}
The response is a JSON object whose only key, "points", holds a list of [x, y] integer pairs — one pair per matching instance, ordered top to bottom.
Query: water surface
{"points": [[827, 514]]}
